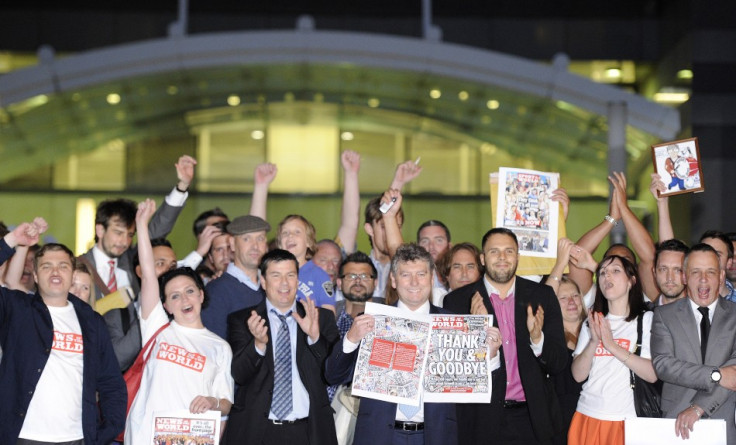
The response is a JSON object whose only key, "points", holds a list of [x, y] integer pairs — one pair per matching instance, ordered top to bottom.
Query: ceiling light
{"points": [[613, 73], [685, 74], [172, 89], [434, 93], [463, 95], [671, 97], [113, 98], [233, 100], [374, 102], [493, 104], [257, 134], [347, 136]]}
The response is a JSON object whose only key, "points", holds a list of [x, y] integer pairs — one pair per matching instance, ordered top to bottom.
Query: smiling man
{"points": [[693, 344], [279, 349], [59, 376], [523, 407], [384, 422]]}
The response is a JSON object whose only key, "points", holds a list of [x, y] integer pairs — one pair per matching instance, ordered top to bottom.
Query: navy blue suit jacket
{"points": [[26, 337], [376, 418]]}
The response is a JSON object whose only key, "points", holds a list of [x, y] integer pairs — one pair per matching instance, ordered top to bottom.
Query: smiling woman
{"points": [[189, 366]]}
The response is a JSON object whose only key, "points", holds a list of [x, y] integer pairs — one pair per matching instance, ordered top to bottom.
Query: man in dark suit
{"points": [[279, 349], [694, 355], [523, 408], [383, 422]]}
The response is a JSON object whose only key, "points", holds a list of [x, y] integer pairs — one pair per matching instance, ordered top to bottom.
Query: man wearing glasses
{"points": [[356, 279]]}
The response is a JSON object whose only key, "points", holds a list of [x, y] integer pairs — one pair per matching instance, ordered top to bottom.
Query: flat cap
{"points": [[247, 224]]}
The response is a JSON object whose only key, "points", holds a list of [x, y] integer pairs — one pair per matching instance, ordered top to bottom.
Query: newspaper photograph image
{"points": [[524, 207], [391, 358], [458, 364], [183, 427]]}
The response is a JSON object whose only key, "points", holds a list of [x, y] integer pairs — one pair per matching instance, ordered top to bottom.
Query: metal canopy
{"points": [[537, 112]]}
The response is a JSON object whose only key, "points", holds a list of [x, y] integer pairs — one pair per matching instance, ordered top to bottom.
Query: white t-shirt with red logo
{"points": [[185, 363], [607, 394], [55, 412]]}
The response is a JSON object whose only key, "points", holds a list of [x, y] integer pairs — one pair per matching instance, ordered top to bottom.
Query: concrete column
{"points": [[617, 153]]}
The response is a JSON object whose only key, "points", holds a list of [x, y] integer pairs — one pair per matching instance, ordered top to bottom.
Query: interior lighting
{"points": [[434, 93], [463, 95], [113, 98], [233, 100], [493, 104], [257, 134], [347, 136]]}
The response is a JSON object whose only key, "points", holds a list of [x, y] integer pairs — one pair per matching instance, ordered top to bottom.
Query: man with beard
{"points": [[112, 256], [668, 260], [356, 281], [523, 407]]}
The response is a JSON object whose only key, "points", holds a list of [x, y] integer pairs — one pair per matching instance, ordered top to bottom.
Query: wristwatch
{"points": [[715, 376]]}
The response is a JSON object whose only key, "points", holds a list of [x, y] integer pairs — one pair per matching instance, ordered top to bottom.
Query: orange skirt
{"points": [[586, 430]]}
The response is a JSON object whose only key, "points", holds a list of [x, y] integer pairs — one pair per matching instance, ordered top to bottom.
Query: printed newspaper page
{"points": [[524, 206], [391, 359], [458, 363], [183, 427]]}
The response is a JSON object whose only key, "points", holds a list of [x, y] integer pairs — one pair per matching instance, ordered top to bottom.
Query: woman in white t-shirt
{"points": [[605, 354], [189, 367]]}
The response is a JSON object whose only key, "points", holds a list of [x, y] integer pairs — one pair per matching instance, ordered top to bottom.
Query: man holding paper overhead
{"points": [[693, 343], [523, 408], [383, 422]]}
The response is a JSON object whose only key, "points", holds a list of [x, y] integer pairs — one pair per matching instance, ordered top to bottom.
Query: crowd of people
{"points": [[266, 333]]}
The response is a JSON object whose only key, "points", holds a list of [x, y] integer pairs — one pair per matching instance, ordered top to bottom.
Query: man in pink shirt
{"points": [[523, 407]]}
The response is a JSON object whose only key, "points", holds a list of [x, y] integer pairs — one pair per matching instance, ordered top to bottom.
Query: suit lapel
{"points": [[263, 313], [690, 329], [721, 330]]}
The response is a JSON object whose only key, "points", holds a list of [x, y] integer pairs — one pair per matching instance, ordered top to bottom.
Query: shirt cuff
{"points": [[176, 198], [192, 260], [348, 346], [537, 349], [261, 353], [495, 362]]}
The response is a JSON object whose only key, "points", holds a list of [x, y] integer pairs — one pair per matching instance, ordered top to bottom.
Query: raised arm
{"points": [[405, 172], [263, 176], [560, 195], [350, 218], [664, 227], [24, 234], [640, 238], [394, 239], [563, 257], [14, 271], [149, 281]]}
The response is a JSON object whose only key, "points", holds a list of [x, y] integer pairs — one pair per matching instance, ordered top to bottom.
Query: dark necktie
{"points": [[704, 330]]}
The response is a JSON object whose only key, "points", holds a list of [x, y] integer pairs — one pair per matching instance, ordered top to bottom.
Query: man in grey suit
{"points": [[111, 259], [693, 344]]}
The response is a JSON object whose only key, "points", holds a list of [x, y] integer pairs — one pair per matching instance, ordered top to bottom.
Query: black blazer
{"points": [[254, 375], [480, 423], [375, 424]]}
